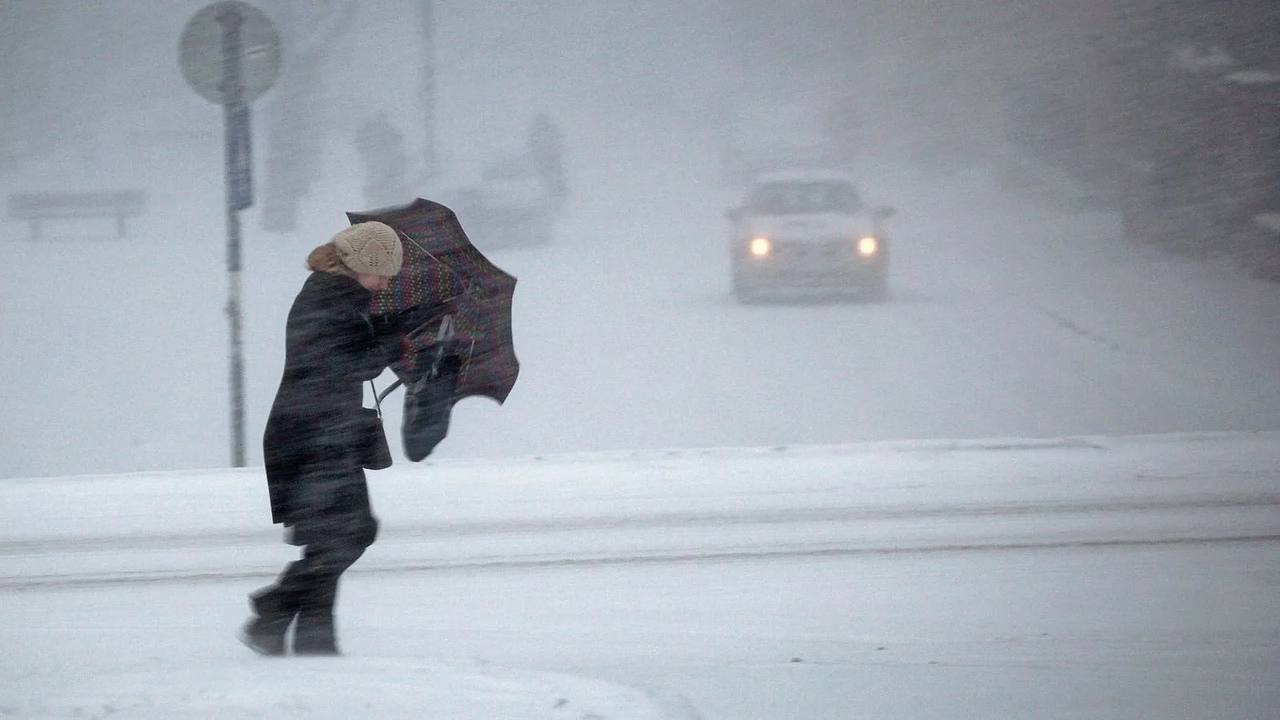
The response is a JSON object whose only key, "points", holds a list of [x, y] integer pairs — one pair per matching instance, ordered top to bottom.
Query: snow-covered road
{"points": [[647, 506], [1073, 577]]}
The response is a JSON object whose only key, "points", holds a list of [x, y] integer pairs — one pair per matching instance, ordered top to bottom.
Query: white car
{"points": [[509, 207], [808, 233]]}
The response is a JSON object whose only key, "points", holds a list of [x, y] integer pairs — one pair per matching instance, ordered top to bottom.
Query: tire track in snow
{"points": [[1079, 330]]}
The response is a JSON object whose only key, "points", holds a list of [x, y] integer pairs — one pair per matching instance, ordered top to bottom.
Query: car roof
{"points": [[803, 175]]}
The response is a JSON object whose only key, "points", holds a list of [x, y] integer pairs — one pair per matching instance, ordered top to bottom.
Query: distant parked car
{"points": [[510, 207], [808, 232]]}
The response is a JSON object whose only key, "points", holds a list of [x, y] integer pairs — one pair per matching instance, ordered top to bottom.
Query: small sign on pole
{"points": [[230, 55], [239, 158]]}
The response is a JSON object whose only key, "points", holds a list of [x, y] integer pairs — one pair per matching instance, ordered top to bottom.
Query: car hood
{"points": [[819, 226]]}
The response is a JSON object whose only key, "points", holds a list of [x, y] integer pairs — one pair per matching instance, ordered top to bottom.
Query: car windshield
{"points": [[788, 198]]}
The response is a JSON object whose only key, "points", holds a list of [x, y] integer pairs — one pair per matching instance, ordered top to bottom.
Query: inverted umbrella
{"points": [[446, 284]]}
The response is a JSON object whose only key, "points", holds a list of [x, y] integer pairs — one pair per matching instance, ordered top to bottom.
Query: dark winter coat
{"points": [[331, 349]]}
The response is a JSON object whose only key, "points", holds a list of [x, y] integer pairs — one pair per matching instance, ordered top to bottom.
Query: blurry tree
{"points": [[44, 92], [1136, 99], [1194, 107]]}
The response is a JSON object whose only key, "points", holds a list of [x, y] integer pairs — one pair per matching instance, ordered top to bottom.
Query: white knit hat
{"points": [[372, 248]]}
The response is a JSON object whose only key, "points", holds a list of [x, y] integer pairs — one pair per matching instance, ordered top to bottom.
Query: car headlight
{"points": [[760, 246], [868, 246]]}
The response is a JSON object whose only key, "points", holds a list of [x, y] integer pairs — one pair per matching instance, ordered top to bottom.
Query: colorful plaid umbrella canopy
{"points": [[444, 274]]}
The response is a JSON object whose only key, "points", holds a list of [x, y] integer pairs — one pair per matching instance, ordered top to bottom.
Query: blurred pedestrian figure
{"points": [[546, 148], [381, 149], [312, 442]]}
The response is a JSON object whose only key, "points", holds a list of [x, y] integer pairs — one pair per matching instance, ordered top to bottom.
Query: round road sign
{"points": [[201, 51]]}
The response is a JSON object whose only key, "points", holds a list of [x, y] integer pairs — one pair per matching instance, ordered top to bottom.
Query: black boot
{"points": [[273, 610], [314, 634]]}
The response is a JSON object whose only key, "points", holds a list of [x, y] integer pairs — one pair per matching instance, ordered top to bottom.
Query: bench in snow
{"points": [[117, 204]]}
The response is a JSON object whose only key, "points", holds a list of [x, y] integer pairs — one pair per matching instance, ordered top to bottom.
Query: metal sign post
{"points": [[230, 54]]}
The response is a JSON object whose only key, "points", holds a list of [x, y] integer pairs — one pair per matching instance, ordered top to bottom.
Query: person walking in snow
{"points": [[311, 444]]}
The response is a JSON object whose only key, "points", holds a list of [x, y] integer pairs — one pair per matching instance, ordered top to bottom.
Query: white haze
{"points": [[1011, 316]]}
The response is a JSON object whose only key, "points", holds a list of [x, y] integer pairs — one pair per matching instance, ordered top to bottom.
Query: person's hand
{"points": [[430, 333]]}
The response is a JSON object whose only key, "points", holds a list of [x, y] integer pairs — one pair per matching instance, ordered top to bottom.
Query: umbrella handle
{"points": [[383, 395]]}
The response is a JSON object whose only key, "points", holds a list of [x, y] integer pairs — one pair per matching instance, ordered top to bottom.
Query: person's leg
{"points": [[313, 498], [347, 531], [276, 605], [314, 634]]}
